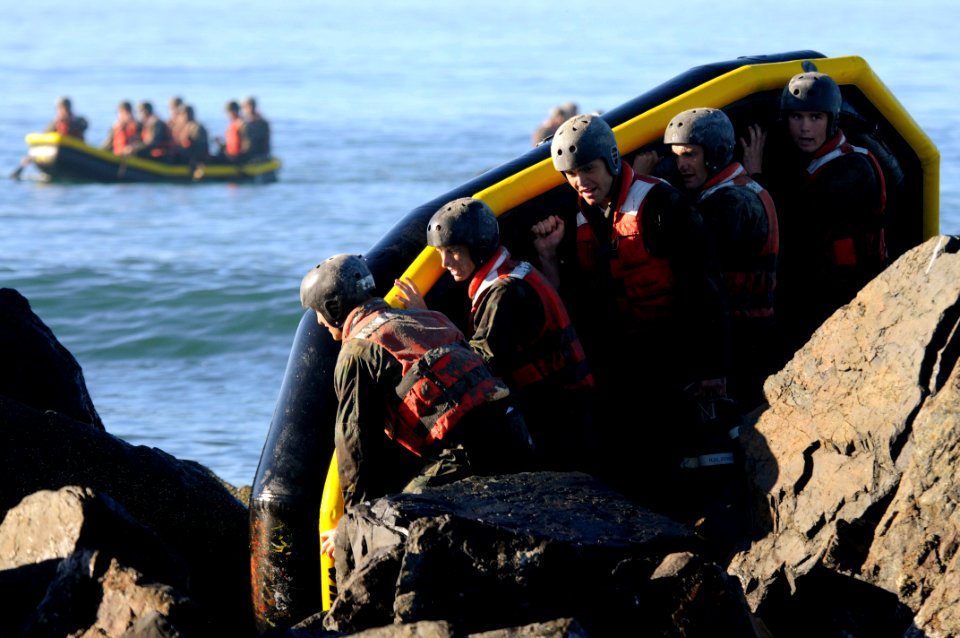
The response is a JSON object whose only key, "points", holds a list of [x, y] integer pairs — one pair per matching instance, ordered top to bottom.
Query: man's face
{"points": [[808, 129], [691, 164], [592, 181], [457, 260], [335, 333]]}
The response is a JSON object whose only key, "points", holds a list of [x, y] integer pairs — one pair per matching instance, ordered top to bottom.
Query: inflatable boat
{"points": [[65, 158], [296, 480]]}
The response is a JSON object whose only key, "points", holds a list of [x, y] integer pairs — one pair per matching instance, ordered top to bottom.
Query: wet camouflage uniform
{"points": [[367, 380]]}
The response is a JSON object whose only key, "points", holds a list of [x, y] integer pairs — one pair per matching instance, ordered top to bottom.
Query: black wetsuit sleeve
{"points": [[677, 232], [507, 320]]}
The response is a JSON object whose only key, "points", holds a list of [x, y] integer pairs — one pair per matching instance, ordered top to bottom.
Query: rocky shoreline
{"points": [[852, 527]]}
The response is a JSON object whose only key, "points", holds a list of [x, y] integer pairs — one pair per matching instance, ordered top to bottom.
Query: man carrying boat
{"points": [[830, 197], [742, 221], [641, 272], [520, 326], [416, 406]]}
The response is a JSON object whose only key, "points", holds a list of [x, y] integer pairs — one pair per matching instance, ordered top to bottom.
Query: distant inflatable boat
{"points": [[64, 158], [295, 479]]}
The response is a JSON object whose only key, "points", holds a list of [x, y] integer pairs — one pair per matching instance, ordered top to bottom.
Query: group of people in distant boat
{"points": [[181, 139], [681, 286]]}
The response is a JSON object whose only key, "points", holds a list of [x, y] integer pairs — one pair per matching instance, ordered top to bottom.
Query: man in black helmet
{"points": [[830, 198], [742, 221], [637, 261], [520, 326], [416, 405]]}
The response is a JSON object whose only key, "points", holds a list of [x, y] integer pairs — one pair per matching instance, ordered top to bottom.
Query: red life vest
{"points": [[74, 127], [123, 135], [233, 142], [162, 146], [843, 250], [648, 290], [750, 293], [556, 352], [443, 379]]}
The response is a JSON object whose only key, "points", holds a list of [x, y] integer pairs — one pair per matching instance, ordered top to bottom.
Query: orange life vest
{"points": [[74, 127], [123, 134], [233, 141], [843, 250], [648, 290], [750, 293], [556, 353], [443, 379]]}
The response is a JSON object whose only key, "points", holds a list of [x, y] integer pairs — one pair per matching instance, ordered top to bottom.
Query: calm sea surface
{"points": [[181, 302]]}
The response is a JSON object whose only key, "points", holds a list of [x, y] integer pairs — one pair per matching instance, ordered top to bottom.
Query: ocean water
{"points": [[181, 302]]}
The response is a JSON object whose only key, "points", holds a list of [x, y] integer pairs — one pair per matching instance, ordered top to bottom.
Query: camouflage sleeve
{"points": [[364, 453]]}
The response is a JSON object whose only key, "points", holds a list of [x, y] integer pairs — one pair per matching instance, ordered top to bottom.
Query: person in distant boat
{"points": [[557, 116], [175, 120], [66, 123], [124, 132], [255, 132], [155, 141], [192, 145], [230, 146], [830, 197], [742, 221], [640, 275], [520, 326], [416, 406]]}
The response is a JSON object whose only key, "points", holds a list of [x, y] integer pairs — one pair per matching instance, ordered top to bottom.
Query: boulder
{"points": [[37, 370], [851, 465], [185, 505], [488, 553], [101, 554]]}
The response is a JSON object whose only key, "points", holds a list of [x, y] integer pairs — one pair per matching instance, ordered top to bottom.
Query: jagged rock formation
{"points": [[853, 465]]}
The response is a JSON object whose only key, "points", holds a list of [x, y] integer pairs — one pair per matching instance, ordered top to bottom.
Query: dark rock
{"points": [[35, 368], [183, 503], [53, 525], [487, 553], [97, 585], [21, 590], [96, 597], [560, 628], [424, 629]]}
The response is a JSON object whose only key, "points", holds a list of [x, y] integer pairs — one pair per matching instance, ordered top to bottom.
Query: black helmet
{"points": [[813, 91], [710, 128], [582, 139], [465, 221], [337, 286]]}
